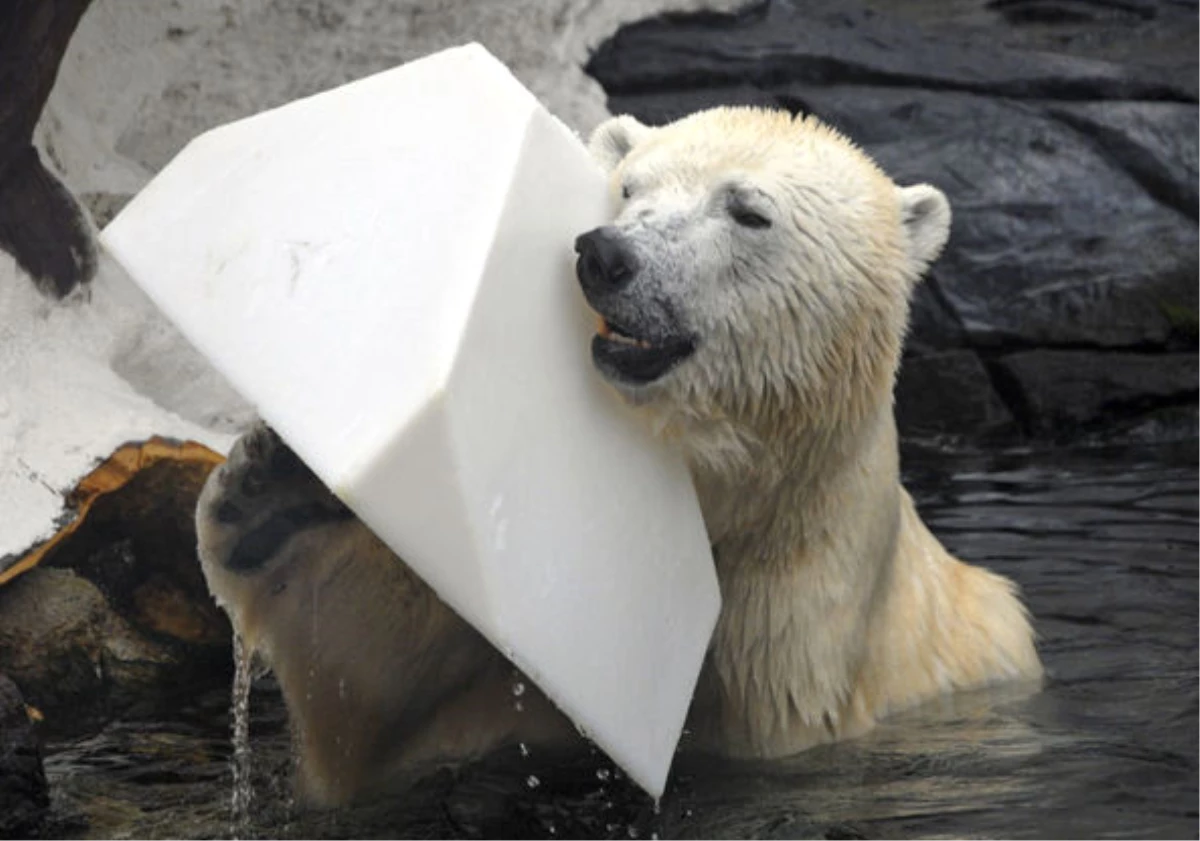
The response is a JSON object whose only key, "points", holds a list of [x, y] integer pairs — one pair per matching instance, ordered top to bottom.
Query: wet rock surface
{"points": [[1064, 135], [1071, 388], [965, 394], [116, 620], [81, 662], [24, 797]]}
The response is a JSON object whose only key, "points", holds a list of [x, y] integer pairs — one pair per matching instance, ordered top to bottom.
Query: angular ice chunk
{"points": [[385, 271]]}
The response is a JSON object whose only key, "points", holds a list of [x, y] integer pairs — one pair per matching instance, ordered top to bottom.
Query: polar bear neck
{"points": [[770, 488], [804, 549], [839, 605]]}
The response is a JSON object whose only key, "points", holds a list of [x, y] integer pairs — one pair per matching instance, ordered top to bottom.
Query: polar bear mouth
{"points": [[621, 355]]}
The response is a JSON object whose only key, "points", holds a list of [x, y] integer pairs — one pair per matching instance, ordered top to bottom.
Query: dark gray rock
{"points": [[826, 42], [1155, 142], [1052, 244], [1066, 389], [950, 394], [62, 641], [81, 662], [24, 797]]}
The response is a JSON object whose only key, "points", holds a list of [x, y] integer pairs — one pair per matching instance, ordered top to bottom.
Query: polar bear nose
{"points": [[605, 263]]}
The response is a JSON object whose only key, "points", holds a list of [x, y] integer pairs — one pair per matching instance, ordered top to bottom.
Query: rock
{"points": [[1070, 11], [1159, 34], [834, 43], [1152, 141], [1072, 177], [1051, 243], [1062, 390], [949, 394], [1167, 425], [114, 617], [62, 641], [24, 797]]}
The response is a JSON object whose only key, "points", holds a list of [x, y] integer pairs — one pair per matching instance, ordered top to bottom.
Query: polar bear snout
{"points": [[606, 263], [640, 337]]}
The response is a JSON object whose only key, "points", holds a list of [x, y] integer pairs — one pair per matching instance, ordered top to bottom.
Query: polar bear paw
{"points": [[260, 498]]}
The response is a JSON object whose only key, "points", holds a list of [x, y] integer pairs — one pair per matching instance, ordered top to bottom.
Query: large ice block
{"points": [[385, 271]]}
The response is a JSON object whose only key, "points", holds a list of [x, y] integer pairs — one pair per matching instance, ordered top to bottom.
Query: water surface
{"points": [[1104, 545]]}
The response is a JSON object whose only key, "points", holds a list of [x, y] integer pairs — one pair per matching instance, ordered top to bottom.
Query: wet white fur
{"points": [[839, 605]]}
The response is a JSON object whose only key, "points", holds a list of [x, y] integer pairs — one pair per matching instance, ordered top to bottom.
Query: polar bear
{"points": [[754, 294], [752, 297]]}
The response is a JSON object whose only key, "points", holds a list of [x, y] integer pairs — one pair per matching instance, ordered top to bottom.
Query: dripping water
{"points": [[239, 812]]}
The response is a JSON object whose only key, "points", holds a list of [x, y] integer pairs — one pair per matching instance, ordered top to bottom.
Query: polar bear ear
{"points": [[614, 138], [925, 213]]}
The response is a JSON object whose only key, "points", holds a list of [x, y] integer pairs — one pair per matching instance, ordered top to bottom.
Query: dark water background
{"points": [[1102, 541]]}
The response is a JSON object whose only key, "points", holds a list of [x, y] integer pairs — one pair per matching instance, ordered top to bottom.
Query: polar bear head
{"points": [[758, 273]]}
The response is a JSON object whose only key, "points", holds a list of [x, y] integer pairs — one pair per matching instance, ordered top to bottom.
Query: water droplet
{"points": [[342, 688], [518, 689], [518, 706], [524, 749], [603, 774], [532, 781], [553, 830], [632, 830]]}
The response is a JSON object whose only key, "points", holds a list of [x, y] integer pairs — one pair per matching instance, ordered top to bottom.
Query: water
{"points": [[1104, 544], [243, 786]]}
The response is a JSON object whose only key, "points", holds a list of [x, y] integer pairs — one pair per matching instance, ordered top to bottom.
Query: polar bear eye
{"points": [[626, 191], [742, 203], [748, 218]]}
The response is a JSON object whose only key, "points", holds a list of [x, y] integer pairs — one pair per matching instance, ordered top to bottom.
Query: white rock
{"points": [[385, 271]]}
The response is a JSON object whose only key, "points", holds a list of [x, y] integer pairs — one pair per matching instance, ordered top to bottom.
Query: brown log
{"points": [[113, 474]]}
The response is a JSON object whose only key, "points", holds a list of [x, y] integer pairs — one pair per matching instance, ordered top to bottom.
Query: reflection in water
{"points": [[1104, 545]]}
